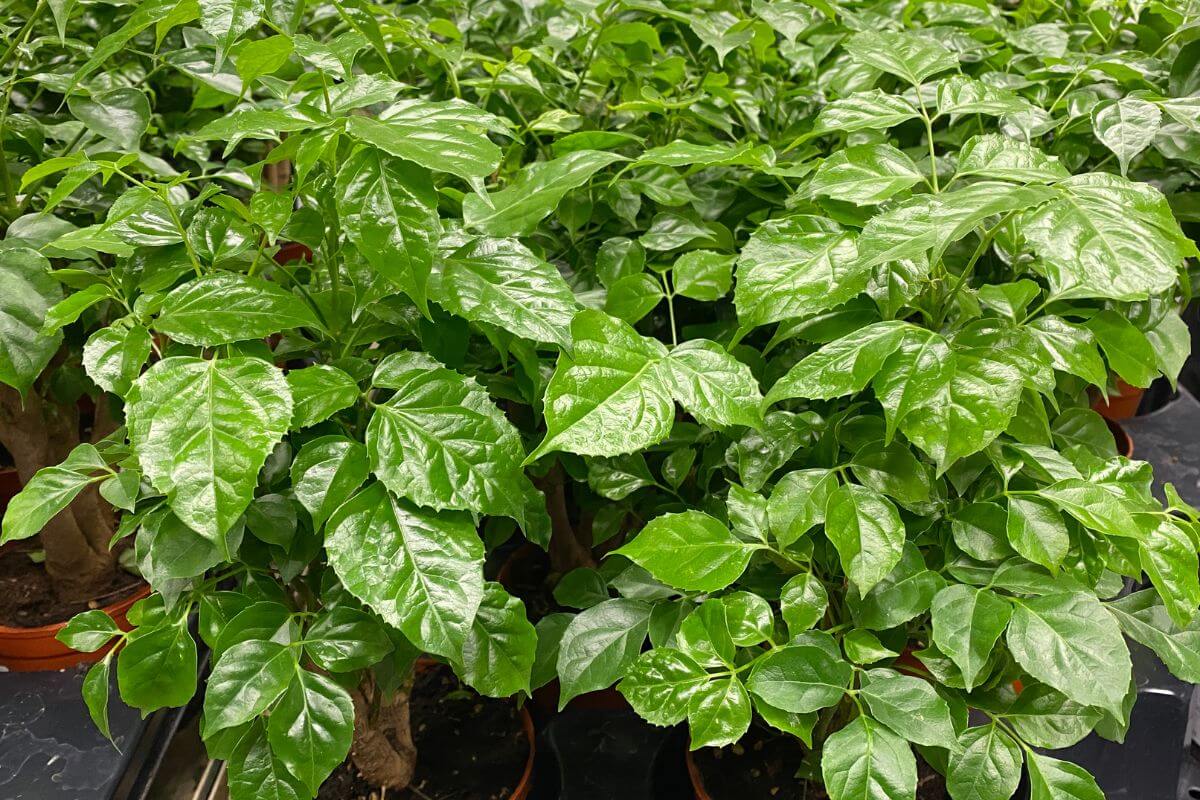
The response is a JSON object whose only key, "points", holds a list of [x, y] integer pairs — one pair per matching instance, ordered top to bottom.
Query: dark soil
{"points": [[526, 575], [27, 597], [468, 747], [762, 766]]}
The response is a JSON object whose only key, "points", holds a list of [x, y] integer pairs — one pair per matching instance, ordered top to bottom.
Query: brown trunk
{"points": [[39, 434], [567, 549], [383, 750]]}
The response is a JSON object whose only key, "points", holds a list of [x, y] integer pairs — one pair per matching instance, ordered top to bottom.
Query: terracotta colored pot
{"points": [[293, 251], [1122, 405], [1122, 437], [10, 484], [36, 649], [696, 778]]}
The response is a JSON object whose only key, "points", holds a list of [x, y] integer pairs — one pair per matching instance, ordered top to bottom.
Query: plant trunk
{"points": [[39, 434], [567, 549], [382, 750]]}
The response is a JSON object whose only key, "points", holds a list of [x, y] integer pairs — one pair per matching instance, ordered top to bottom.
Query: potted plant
{"points": [[521, 314], [49, 402], [308, 450], [929, 477]]}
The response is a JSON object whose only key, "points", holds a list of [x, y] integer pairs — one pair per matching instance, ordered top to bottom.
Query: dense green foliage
{"points": [[574, 242]]}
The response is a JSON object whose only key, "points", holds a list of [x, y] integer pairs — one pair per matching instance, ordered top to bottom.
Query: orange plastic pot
{"points": [[1122, 405], [36, 649], [696, 779]]}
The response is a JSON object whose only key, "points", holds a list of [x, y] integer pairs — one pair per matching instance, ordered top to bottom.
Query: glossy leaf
{"points": [[185, 411]]}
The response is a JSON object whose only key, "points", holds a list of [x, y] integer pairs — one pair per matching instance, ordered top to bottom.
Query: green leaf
{"points": [[227, 20], [908, 55], [258, 57], [958, 94], [870, 110], [119, 115], [260, 123], [1126, 127], [449, 136], [686, 154], [996, 156], [866, 174], [536, 191], [388, 208], [924, 222], [1104, 236], [795, 267], [703, 274], [501, 282], [30, 292], [633, 297], [227, 307], [69, 310], [1172, 343], [1070, 348], [1129, 352], [114, 356], [843, 366], [716, 388], [318, 392], [609, 396], [952, 398], [203, 429], [441, 442], [892, 470], [326, 472], [49, 491], [798, 503], [1093, 504], [866, 530], [1036, 530], [167, 549], [690, 550], [1168, 556], [420, 571], [904, 594], [803, 601], [749, 617], [1144, 618], [967, 623], [550, 630], [88, 631], [346, 639], [1070, 642], [599, 645], [864, 647], [498, 653], [157, 668], [247, 678], [800, 678], [661, 683], [95, 695], [910, 707], [718, 713], [1044, 717], [310, 729], [866, 761], [988, 768], [256, 772], [1052, 779]]}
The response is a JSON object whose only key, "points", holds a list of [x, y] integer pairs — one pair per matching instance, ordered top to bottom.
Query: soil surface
{"points": [[27, 597], [468, 747], [762, 766]]}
